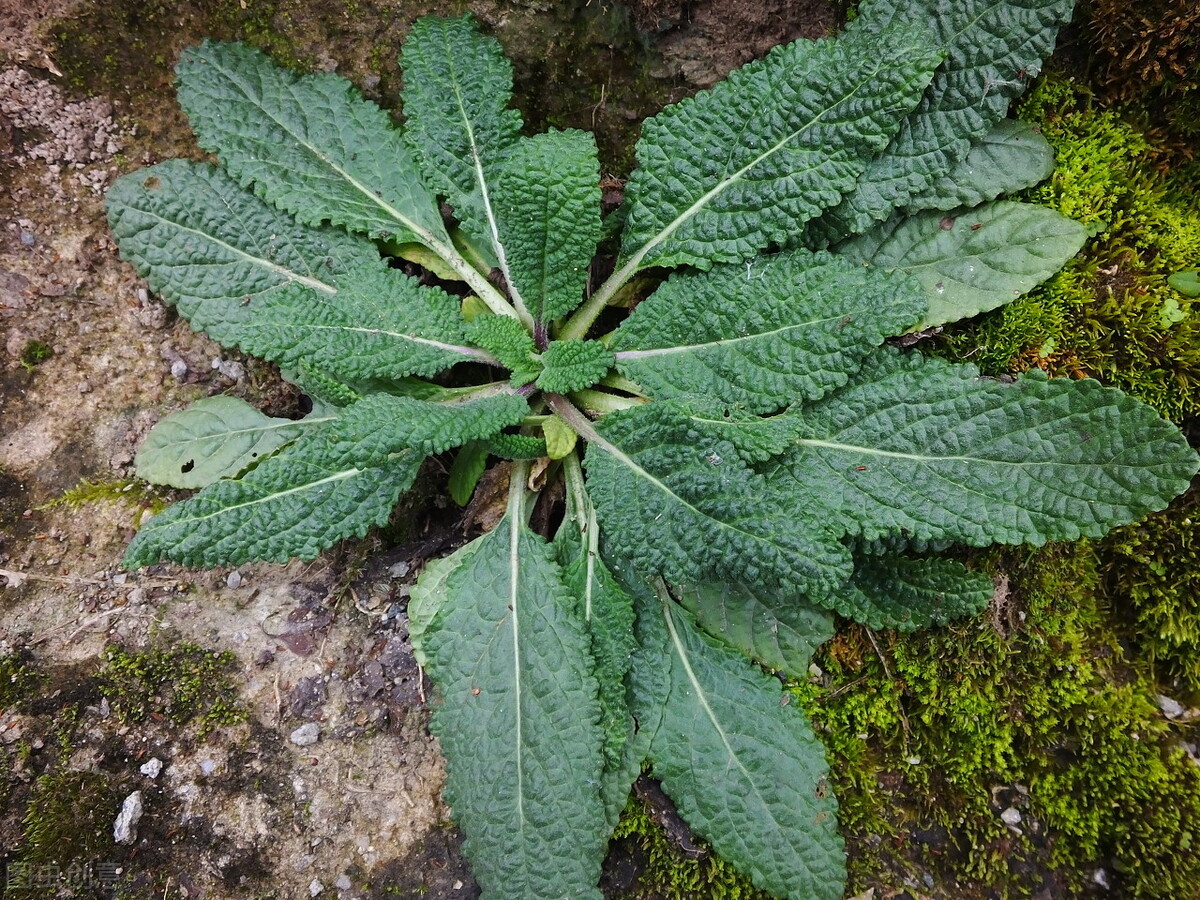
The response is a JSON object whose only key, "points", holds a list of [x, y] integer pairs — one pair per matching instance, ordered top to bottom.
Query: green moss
{"points": [[1109, 313], [34, 354], [131, 491], [1152, 577], [18, 678], [181, 684], [937, 730], [68, 818], [670, 874]]}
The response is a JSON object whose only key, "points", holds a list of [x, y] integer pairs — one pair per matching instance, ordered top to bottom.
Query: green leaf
{"points": [[993, 48], [457, 86], [309, 144], [1010, 158], [726, 173], [548, 219], [971, 261], [249, 277], [1186, 282], [793, 325], [507, 340], [573, 365], [559, 436], [214, 438], [756, 439], [516, 446], [931, 450], [467, 469], [347, 470], [352, 471], [664, 487], [429, 593], [907, 594], [780, 632], [518, 720], [744, 767]]}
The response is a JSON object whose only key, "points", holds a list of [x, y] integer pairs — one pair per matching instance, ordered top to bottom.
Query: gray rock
{"points": [[1171, 708], [306, 735], [151, 767], [1011, 816], [125, 827]]}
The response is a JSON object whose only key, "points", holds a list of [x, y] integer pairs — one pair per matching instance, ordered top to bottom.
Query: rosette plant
{"points": [[726, 450]]}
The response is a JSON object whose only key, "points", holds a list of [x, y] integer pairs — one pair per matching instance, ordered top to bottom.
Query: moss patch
{"points": [[181, 684], [933, 736]]}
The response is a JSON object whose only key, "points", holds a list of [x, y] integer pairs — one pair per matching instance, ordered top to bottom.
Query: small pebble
{"points": [[179, 370], [234, 580], [1171, 708], [306, 734], [208, 766], [151, 767], [1011, 816], [125, 827], [343, 883], [315, 887]]}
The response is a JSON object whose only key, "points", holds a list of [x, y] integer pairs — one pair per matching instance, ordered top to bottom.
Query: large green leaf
{"points": [[993, 48], [457, 86], [309, 144], [1009, 158], [732, 170], [548, 219], [971, 261], [244, 273], [790, 326], [214, 438], [931, 450], [333, 483], [663, 487], [907, 594], [780, 632], [518, 719], [744, 767]]}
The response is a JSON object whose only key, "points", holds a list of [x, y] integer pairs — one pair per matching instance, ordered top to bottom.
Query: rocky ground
{"points": [[258, 732]]}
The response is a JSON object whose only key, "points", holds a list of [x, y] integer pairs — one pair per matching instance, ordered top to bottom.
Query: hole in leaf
{"points": [[188, 466]]}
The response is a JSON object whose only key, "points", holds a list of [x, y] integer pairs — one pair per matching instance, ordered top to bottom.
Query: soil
{"points": [[91, 360]]}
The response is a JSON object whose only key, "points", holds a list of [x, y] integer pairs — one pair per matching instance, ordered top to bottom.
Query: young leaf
{"points": [[993, 47], [457, 85], [309, 144], [1010, 158], [732, 170], [548, 219], [971, 261], [248, 276], [793, 325], [510, 343], [573, 365], [560, 437], [212, 439], [756, 439], [928, 449], [466, 470], [663, 487], [907, 594], [780, 632], [518, 719], [744, 769]]}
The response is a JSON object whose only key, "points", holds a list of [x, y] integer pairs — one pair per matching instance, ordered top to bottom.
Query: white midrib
{"points": [[282, 271], [724, 342], [922, 458], [514, 580], [698, 690]]}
